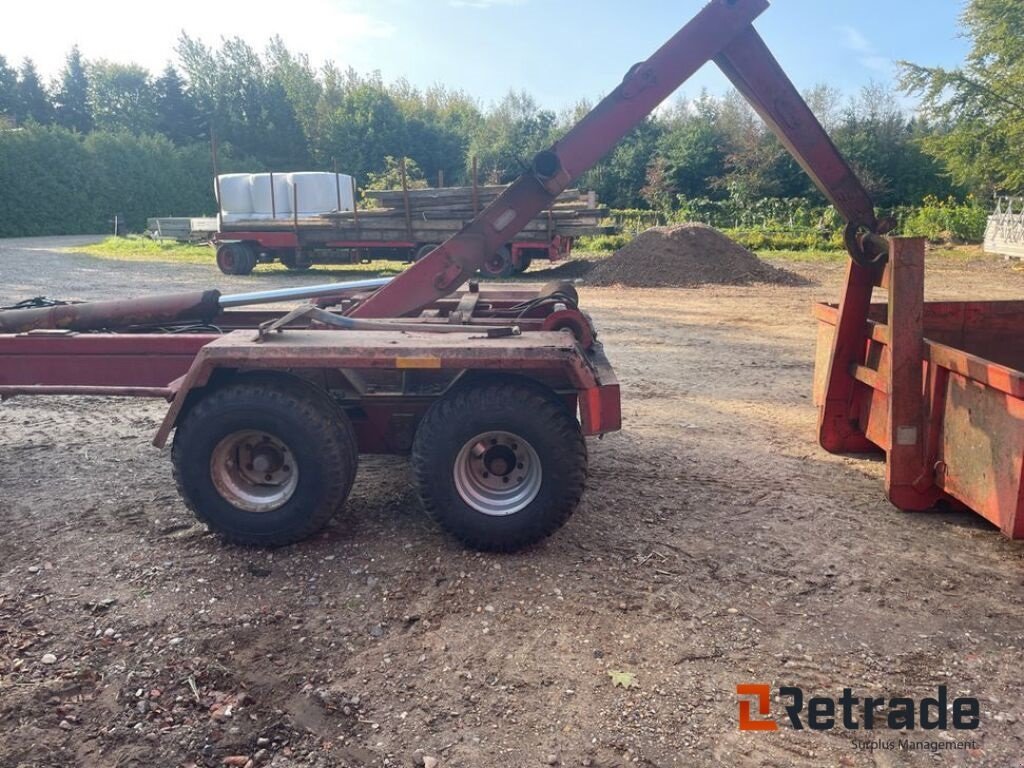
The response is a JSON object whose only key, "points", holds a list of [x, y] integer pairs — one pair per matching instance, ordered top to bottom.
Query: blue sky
{"points": [[558, 50]]}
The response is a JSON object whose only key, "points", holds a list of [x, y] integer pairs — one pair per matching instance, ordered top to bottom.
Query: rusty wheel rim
{"points": [[254, 471]]}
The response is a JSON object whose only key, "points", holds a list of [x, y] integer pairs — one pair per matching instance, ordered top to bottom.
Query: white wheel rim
{"points": [[254, 471], [497, 473]]}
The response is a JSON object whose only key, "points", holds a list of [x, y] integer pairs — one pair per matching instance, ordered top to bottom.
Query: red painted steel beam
{"points": [[754, 71], [645, 86], [268, 239], [121, 361], [162, 392], [838, 415], [908, 481]]}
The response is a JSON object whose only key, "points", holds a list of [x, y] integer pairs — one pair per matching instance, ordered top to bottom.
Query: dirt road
{"points": [[716, 545]]}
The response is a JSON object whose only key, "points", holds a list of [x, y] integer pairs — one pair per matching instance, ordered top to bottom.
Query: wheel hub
{"points": [[500, 460], [254, 471], [497, 473]]}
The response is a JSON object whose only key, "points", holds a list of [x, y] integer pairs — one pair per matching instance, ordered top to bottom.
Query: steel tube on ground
{"points": [[303, 292]]}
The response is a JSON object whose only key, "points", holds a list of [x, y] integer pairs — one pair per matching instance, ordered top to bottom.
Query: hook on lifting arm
{"points": [[722, 32]]}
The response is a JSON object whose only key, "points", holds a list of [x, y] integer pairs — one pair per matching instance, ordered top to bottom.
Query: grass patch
{"points": [[135, 248], [944, 252], [959, 253], [819, 256], [375, 268]]}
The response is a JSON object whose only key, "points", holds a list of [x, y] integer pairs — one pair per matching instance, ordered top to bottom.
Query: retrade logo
{"points": [[763, 695], [849, 712]]}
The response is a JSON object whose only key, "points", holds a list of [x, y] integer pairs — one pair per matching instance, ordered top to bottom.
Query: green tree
{"points": [[200, 67], [302, 88], [8, 93], [240, 94], [72, 95], [121, 97], [245, 100], [33, 101], [980, 105], [176, 115], [455, 118], [361, 124], [439, 125], [509, 136], [283, 142], [693, 147], [885, 149], [755, 160], [101, 174], [391, 176], [619, 177], [659, 190]]}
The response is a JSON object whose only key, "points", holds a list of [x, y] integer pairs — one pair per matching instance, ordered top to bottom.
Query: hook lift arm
{"points": [[722, 32]]}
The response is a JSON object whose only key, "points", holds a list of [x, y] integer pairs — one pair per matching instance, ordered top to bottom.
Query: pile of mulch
{"points": [[686, 256]]}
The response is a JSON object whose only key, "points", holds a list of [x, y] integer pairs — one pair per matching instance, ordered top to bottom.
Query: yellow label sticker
{"points": [[417, 362]]}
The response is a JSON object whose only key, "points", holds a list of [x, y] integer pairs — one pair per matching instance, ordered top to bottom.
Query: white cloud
{"points": [[126, 30], [867, 54]]}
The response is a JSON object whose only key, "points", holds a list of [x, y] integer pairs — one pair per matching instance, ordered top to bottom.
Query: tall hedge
{"points": [[56, 181]]}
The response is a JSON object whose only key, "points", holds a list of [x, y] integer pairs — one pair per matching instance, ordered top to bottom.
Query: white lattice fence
{"points": [[1004, 233]]}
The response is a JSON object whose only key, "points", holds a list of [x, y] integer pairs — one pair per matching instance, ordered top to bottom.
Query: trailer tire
{"points": [[235, 258], [294, 262], [499, 264], [524, 264], [287, 420], [522, 493]]}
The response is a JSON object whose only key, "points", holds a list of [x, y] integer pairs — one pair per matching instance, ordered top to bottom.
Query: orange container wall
{"points": [[978, 421]]}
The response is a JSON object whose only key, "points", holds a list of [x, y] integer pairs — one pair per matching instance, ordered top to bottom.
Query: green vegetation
{"points": [[980, 104], [109, 138], [57, 181], [947, 221], [793, 225], [796, 239], [602, 243], [135, 248], [945, 253], [811, 256]]}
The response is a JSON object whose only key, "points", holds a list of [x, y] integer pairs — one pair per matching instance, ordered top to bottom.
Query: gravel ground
{"points": [[35, 266], [716, 545]]}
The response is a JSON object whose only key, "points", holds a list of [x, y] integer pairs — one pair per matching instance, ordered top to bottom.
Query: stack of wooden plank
{"points": [[457, 202], [435, 214]]}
